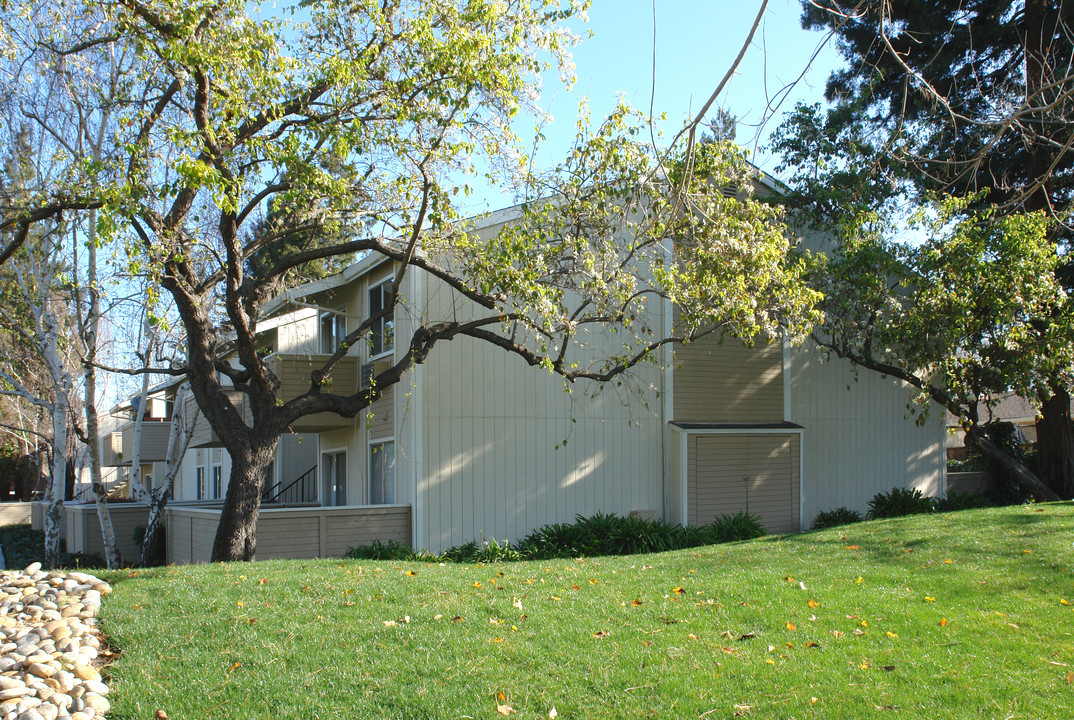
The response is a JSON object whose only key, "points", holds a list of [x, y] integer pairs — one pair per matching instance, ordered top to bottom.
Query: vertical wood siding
{"points": [[728, 382], [155, 434], [857, 439], [493, 457], [756, 473], [84, 529], [290, 532]]}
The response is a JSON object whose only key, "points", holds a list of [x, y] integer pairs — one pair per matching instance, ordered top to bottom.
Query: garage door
{"points": [[754, 472]]}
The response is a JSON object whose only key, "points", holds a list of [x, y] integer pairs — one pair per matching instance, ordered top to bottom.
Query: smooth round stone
{"points": [[33, 568], [41, 670], [86, 672], [65, 679], [7, 682], [16, 692], [99, 703], [48, 711], [31, 714], [81, 715]]}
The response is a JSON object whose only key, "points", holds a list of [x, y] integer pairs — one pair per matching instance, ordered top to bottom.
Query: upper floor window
{"points": [[333, 328], [382, 333]]}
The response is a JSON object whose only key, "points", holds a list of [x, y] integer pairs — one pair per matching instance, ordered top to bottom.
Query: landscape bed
{"points": [[953, 615]]}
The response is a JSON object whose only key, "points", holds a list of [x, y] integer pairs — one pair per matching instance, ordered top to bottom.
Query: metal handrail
{"points": [[308, 483]]}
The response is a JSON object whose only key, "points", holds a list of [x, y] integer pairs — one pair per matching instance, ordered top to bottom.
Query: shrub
{"points": [[961, 501], [898, 502], [834, 518], [732, 528], [606, 534], [559, 540], [23, 545], [391, 550], [487, 551]]}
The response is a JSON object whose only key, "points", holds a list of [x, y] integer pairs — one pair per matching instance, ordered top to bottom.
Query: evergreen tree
{"points": [[949, 97]]}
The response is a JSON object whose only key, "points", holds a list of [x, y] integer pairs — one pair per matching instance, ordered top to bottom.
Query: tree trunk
{"points": [[1055, 444], [1022, 475], [54, 512], [235, 538], [153, 550]]}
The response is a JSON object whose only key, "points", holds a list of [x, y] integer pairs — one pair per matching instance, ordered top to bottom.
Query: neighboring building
{"points": [[1009, 407], [475, 443]]}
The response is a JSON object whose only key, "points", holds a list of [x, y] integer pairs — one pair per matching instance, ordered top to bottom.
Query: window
{"points": [[333, 328], [382, 333], [217, 473], [382, 473], [334, 474], [201, 491]]}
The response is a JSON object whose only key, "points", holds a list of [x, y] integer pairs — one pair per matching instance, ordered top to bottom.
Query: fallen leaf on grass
{"points": [[852, 547], [410, 573], [477, 584], [575, 587], [679, 591], [929, 598], [1063, 601], [637, 602], [813, 603], [457, 618], [943, 622], [791, 626], [601, 634], [891, 634], [747, 636], [812, 645], [888, 668], [1070, 678], [501, 696], [505, 710], [741, 710], [552, 714], [160, 715]]}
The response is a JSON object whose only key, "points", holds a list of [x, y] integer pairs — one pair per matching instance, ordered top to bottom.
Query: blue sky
{"points": [[695, 43]]}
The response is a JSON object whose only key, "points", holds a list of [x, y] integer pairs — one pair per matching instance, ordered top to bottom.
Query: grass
{"points": [[957, 615]]}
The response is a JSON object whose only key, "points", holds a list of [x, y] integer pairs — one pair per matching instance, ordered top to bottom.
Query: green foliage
{"points": [[961, 501], [899, 502], [834, 518], [734, 528], [601, 534], [23, 545], [391, 550], [486, 551]]}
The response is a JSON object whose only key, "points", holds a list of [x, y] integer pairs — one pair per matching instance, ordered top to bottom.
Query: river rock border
{"points": [[49, 644]]}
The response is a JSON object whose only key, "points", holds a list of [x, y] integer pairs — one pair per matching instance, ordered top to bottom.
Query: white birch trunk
{"points": [[178, 441], [137, 487]]}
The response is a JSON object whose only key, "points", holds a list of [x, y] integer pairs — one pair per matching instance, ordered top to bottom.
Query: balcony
{"points": [[294, 374], [155, 434], [204, 436]]}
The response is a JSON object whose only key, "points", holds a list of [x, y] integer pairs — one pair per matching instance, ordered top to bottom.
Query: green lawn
{"points": [[959, 615]]}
